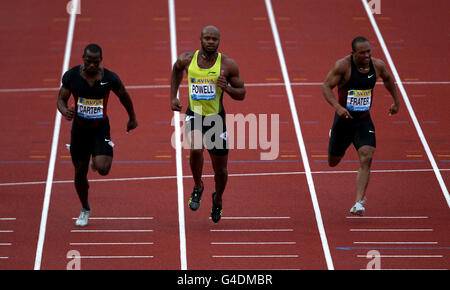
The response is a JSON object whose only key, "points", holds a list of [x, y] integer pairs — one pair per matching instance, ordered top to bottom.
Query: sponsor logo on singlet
{"points": [[203, 88], [359, 100], [90, 108]]}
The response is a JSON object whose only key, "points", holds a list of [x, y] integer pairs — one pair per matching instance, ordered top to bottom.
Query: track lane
{"points": [[32, 44], [254, 51], [143, 152], [336, 192]]}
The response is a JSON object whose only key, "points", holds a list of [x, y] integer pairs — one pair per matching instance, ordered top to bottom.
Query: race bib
{"points": [[203, 89], [359, 100], [90, 108]]}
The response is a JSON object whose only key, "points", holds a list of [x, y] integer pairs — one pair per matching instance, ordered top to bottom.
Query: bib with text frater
{"points": [[205, 97], [359, 100], [90, 108]]}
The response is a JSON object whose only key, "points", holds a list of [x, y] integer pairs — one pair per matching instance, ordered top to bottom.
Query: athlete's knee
{"points": [[366, 155], [103, 169]]}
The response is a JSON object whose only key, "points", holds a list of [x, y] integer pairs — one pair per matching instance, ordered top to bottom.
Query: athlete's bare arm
{"points": [[178, 69], [229, 74], [335, 77], [389, 84], [63, 98], [125, 100]]}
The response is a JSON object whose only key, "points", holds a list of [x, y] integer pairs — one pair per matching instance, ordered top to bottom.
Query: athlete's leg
{"points": [[341, 136], [365, 154], [196, 159], [334, 160], [102, 164], [220, 175], [81, 181]]}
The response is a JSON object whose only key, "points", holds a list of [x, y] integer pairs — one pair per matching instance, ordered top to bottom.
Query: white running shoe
{"points": [[358, 208], [82, 220]]}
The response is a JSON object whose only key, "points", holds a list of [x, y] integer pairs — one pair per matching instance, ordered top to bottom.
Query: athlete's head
{"points": [[210, 39], [361, 50], [92, 57]]}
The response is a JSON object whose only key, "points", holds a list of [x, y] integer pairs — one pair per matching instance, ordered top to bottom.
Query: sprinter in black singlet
{"points": [[356, 75], [90, 84]]}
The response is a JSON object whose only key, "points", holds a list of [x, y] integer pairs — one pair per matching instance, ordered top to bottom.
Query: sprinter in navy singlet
{"points": [[355, 76], [90, 84]]}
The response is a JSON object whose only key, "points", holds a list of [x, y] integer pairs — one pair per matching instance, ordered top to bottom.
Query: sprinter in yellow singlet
{"points": [[210, 73]]}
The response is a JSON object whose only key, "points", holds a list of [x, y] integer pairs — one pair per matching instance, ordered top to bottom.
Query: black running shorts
{"points": [[214, 131], [344, 132], [87, 140]]}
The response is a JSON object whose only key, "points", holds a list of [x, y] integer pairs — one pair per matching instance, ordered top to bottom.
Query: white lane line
{"points": [[25, 90], [408, 104], [54, 149], [178, 151], [229, 175], [312, 190], [253, 217], [387, 217], [118, 218], [7, 219], [253, 230], [391, 230], [6, 231], [110, 231], [253, 243], [396, 243], [5, 244], [111, 244], [256, 256], [403, 256], [114, 257], [408, 269]]}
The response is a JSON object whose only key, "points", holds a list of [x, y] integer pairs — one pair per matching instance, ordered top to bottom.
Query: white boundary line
{"points": [[130, 87], [407, 103], [301, 144], [179, 165], [51, 166], [229, 175]]}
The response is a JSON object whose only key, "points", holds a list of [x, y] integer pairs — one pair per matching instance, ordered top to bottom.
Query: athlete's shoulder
{"points": [[186, 56], [184, 60], [228, 61], [378, 63], [342, 64], [73, 71], [109, 73], [71, 75]]}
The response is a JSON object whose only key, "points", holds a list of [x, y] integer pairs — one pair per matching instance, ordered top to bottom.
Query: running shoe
{"points": [[196, 198], [358, 208], [216, 211], [82, 220]]}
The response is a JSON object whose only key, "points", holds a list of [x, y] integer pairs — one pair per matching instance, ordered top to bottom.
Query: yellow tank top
{"points": [[205, 97]]}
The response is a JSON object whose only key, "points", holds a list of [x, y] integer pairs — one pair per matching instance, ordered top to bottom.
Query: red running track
{"points": [[269, 220]]}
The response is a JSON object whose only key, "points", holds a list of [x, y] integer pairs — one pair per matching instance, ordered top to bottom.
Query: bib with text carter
{"points": [[90, 108]]}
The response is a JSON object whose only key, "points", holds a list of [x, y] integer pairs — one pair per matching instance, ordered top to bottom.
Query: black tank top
{"points": [[357, 94]]}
